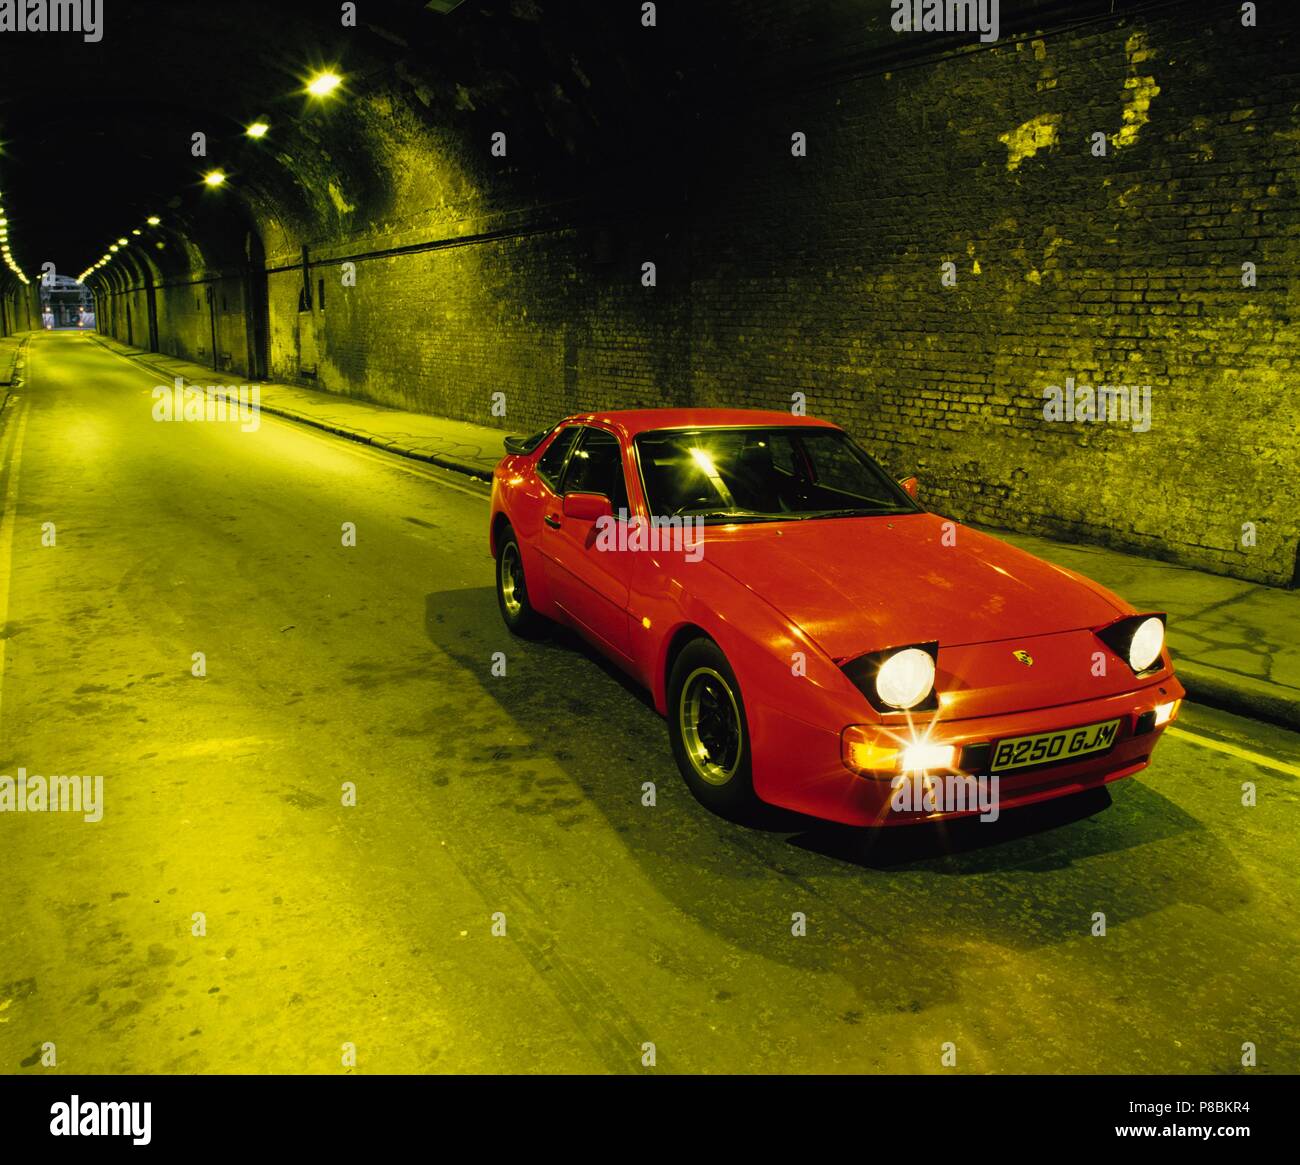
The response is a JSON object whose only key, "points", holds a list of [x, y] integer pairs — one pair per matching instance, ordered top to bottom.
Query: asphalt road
{"points": [[371, 925]]}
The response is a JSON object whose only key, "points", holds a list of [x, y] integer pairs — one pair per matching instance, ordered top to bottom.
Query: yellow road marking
{"points": [[394, 461], [8, 519], [1233, 750]]}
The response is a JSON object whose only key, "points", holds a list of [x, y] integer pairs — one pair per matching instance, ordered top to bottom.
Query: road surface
{"points": [[230, 913]]}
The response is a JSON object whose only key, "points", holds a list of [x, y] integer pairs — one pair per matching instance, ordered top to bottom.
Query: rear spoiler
{"points": [[516, 444]]}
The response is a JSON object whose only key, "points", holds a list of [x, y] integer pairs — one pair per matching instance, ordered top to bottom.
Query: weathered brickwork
{"points": [[823, 274], [19, 309], [536, 317], [195, 319]]}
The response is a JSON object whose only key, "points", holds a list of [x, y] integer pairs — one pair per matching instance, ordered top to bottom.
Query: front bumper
{"points": [[809, 776]]}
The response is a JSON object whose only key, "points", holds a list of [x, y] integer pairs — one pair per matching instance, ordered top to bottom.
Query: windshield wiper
{"points": [[847, 512], [734, 516]]}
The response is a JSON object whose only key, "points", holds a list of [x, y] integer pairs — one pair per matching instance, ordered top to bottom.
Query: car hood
{"points": [[864, 584]]}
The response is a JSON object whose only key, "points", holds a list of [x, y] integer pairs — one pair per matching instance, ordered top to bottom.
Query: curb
{"points": [[15, 365], [443, 460], [1212, 686], [1242, 695]]}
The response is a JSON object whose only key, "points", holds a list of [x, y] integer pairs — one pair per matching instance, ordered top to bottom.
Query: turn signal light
{"points": [[1166, 712], [862, 752]]}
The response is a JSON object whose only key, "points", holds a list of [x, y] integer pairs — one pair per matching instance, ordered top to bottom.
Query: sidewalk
{"points": [[10, 348], [466, 448], [1236, 644]]}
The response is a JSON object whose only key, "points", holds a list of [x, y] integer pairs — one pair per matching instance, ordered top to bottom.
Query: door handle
{"points": [[552, 521]]}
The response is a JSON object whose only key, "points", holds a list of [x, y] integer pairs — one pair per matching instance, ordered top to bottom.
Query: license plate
{"points": [[1019, 752]]}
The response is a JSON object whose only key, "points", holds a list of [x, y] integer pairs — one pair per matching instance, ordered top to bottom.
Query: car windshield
{"points": [[761, 474]]}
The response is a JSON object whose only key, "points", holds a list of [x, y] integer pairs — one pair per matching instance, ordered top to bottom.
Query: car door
{"points": [[587, 578]]}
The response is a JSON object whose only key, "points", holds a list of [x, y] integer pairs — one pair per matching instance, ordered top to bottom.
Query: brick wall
{"points": [[822, 274], [19, 308], [558, 321], [185, 325]]}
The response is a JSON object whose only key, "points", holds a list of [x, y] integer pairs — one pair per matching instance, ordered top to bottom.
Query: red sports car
{"points": [[816, 639]]}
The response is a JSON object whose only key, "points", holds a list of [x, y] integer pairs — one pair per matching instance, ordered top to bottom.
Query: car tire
{"points": [[512, 588], [709, 731]]}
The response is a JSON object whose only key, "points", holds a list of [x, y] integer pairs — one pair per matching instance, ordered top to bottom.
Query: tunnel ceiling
{"points": [[96, 137]]}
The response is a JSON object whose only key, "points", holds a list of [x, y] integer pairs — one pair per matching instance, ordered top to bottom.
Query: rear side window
{"points": [[551, 463], [597, 467]]}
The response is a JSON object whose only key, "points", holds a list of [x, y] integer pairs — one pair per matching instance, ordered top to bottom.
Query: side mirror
{"points": [[911, 485], [583, 507]]}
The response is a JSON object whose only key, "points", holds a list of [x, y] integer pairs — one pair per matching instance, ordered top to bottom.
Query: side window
{"points": [[782, 452], [552, 461], [597, 467], [835, 468]]}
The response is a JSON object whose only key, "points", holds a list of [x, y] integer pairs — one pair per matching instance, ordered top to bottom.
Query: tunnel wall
{"points": [[821, 275], [18, 308], [127, 316], [184, 320], [556, 321], [185, 323]]}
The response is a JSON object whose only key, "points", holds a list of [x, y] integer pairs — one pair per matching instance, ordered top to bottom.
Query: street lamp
{"points": [[323, 84]]}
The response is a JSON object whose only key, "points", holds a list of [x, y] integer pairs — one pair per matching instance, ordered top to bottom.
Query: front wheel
{"points": [[512, 588], [708, 729]]}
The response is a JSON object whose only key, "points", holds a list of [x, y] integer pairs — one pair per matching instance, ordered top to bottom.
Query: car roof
{"points": [[633, 421]]}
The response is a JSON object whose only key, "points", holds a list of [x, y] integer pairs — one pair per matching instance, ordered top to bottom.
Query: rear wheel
{"points": [[512, 587], [708, 729]]}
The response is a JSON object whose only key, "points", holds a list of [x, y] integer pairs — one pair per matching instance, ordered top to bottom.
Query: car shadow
{"points": [[884, 848], [883, 898]]}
